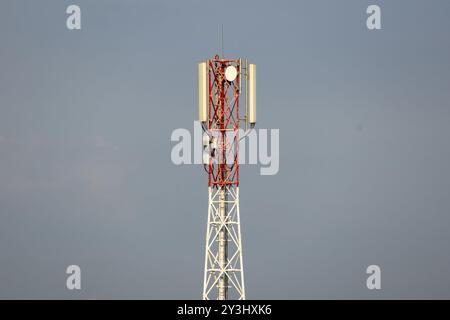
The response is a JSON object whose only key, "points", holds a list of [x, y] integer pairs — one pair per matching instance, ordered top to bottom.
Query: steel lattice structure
{"points": [[223, 273]]}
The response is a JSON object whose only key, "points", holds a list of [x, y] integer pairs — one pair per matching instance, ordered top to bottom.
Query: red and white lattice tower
{"points": [[222, 82]]}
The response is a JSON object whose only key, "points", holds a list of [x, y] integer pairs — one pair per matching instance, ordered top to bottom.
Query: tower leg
{"points": [[223, 239]]}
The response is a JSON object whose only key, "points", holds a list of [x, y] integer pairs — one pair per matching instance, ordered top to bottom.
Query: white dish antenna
{"points": [[230, 73]]}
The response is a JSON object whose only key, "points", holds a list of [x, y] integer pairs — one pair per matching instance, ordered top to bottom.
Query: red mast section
{"points": [[223, 122]]}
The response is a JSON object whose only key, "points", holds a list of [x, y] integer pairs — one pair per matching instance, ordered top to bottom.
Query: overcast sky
{"points": [[85, 170]]}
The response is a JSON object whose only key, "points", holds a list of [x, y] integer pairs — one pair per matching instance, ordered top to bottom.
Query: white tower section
{"points": [[224, 274]]}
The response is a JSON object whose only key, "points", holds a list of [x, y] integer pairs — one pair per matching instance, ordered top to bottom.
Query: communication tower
{"points": [[221, 84]]}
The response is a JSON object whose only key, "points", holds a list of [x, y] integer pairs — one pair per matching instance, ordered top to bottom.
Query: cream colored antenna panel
{"points": [[202, 92]]}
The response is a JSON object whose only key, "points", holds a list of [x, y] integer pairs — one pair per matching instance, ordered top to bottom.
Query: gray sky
{"points": [[85, 170]]}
